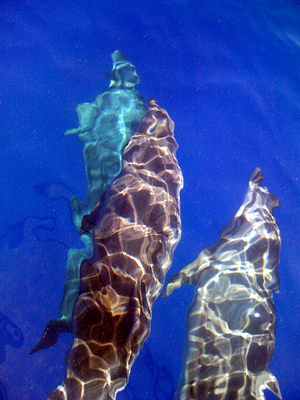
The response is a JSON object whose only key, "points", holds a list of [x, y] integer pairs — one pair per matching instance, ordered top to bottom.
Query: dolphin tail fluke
{"points": [[256, 176], [189, 274], [50, 336], [266, 380], [272, 384]]}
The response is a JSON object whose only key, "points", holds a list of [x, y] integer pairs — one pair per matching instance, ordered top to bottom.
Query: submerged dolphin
{"points": [[105, 127], [135, 232], [231, 321]]}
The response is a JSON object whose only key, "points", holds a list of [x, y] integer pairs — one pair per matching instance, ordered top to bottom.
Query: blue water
{"points": [[228, 74]]}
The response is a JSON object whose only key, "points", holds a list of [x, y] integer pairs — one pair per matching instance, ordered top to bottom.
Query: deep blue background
{"points": [[228, 74]]}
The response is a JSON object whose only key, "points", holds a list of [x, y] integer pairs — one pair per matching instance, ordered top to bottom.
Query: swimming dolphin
{"points": [[105, 127], [135, 232], [231, 322]]}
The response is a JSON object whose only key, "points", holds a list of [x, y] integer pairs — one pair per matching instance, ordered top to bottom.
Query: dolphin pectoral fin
{"points": [[86, 113], [74, 131], [90, 220], [87, 223], [189, 274], [175, 282], [51, 332]]}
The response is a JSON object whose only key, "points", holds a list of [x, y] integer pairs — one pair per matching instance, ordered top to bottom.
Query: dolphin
{"points": [[105, 127], [135, 232], [231, 321]]}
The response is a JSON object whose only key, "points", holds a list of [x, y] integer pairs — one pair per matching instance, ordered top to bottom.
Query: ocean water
{"points": [[228, 75]]}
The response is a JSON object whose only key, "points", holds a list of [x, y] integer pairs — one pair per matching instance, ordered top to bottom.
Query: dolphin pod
{"points": [[130, 225], [135, 230], [231, 322]]}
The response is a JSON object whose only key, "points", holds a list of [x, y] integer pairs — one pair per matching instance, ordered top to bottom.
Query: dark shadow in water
{"points": [[54, 191], [15, 233], [10, 334]]}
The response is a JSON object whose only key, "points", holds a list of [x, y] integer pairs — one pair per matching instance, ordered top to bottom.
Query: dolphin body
{"points": [[105, 127], [135, 231], [231, 321]]}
